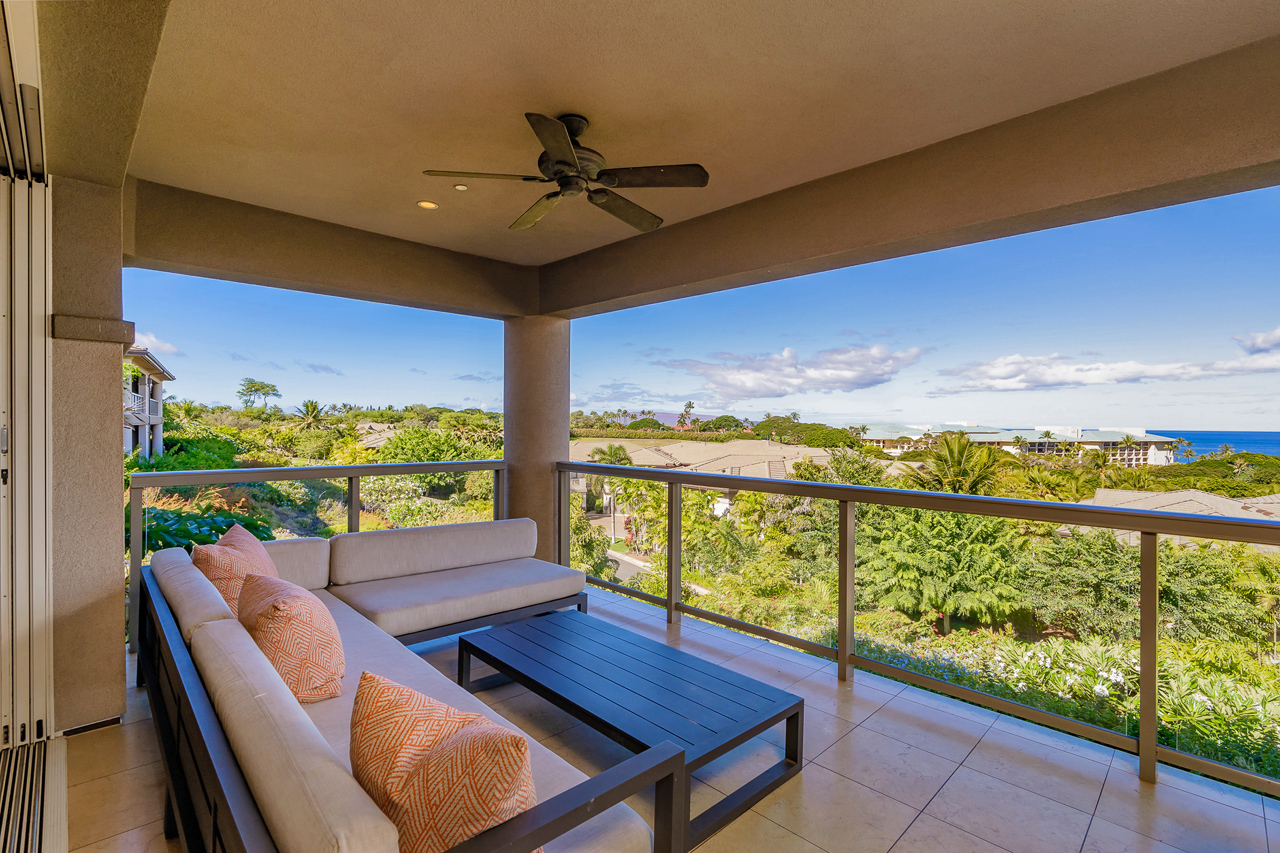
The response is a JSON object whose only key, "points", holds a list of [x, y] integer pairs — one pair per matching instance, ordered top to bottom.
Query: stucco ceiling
{"points": [[332, 109]]}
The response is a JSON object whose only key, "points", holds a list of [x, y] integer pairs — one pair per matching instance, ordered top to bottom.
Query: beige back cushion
{"points": [[379, 554], [301, 561], [192, 597], [310, 801]]}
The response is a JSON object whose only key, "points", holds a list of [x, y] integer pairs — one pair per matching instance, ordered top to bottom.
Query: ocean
{"points": [[1203, 442]]}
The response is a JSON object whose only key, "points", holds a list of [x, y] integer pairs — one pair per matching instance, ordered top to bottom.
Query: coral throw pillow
{"points": [[237, 555], [297, 634], [440, 774]]}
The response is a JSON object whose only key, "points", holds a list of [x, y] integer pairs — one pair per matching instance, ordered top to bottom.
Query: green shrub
{"points": [[646, 423], [829, 437], [313, 444], [169, 528]]}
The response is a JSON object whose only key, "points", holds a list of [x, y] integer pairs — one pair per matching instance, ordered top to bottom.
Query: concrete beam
{"points": [[95, 64], [1204, 129], [180, 231]]}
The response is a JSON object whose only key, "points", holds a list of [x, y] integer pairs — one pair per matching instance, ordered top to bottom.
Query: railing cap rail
{"points": [[222, 476], [1114, 518]]}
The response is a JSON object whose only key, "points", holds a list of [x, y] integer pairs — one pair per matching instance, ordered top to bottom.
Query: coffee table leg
{"points": [[464, 666], [795, 735]]}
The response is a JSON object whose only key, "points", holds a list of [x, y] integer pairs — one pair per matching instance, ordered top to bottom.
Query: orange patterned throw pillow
{"points": [[237, 555], [297, 634], [440, 774]]}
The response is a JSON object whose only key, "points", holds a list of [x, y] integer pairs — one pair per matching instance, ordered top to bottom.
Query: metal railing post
{"points": [[499, 496], [353, 504], [674, 512], [562, 518], [137, 546], [846, 599], [1148, 679]]}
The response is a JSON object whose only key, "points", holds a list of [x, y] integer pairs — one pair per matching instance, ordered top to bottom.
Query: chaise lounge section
{"points": [[250, 769]]}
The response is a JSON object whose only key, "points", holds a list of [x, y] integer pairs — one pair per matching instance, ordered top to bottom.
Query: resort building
{"points": [[144, 378], [1128, 447]]}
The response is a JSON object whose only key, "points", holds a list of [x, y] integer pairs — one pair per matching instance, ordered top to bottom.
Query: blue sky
{"points": [[1168, 318]]}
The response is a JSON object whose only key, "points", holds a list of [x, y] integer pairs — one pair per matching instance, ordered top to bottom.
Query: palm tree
{"points": [[312, 415], [1047, 435], [1020, 443], [610, 454], [958, 465]]}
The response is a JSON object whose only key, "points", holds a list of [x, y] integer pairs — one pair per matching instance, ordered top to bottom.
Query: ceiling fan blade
{"points": [[554, 137], [437, 173], [690, 175], [540, 208], [628, 211]]}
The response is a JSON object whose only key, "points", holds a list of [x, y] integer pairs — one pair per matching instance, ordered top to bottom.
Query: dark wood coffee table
{"points": [[640, 693]]}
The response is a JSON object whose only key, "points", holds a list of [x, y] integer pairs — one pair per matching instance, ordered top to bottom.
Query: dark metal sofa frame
{"points": [[579, 601], [210, 809]]}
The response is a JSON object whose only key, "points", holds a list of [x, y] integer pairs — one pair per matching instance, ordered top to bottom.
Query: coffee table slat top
{"points": [[688, 668], [640, 687], [687, 700]]}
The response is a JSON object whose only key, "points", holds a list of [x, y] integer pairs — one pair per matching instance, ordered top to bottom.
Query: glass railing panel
{"points": [[418, 500], [617, 529], [765, 559], [1037, 614], [1219, 652]]}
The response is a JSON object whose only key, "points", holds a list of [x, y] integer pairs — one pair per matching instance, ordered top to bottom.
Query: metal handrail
{"points": [[143, 480], [1150, 524]]}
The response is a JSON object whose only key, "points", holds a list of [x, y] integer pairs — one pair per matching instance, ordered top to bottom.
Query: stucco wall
{"points": [[86, 464]]}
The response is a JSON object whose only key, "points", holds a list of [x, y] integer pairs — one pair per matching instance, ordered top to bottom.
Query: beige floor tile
{"points": [[615, 615], [660, 631], [748, 640], [710, 645], [795, 656], [768, 668], [877, 682], [501, 693], [850, 700], [951, 706], [137, 707], [535, 716], [928, 728], [821, 730], [1059, 740], [109, 750], [890, 766], [731, 771], [1050, 772], [1212, 789], [114, 804], [1271, 809], [836, 813], [1008, 816], [1177, 817], [753, 832], [930, 835], [1106, 837], [1273, 837], [144, 839]]}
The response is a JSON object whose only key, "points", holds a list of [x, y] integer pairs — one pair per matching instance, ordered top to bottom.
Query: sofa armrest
{"points": [[662, 766]]}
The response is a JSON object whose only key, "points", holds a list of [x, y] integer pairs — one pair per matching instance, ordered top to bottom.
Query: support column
{"points": [[536, 416]]}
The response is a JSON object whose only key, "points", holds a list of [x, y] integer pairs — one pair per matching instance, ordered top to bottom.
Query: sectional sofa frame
{"points": [[210, 809]]}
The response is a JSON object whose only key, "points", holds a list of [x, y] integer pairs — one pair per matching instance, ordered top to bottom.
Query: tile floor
{"points": [[888, 767]]}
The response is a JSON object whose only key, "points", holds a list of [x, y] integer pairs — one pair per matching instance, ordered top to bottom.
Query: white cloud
{"points": [[1260, 341], [150, 342], [314, 367], [1030, 373], [740, 377], [623, 393]]}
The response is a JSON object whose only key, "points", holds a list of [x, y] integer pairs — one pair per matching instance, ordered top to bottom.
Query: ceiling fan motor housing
{"points": [[589, 163]]}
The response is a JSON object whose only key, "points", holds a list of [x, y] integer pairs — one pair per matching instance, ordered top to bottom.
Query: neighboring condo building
{"points": [[144, 403], [1128, 447]]}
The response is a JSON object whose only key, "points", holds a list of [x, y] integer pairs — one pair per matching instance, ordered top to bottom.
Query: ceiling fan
{"points": [[573, 167]]}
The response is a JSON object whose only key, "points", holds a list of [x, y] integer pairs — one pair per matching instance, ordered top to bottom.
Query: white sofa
{"points": [[295, 758]]}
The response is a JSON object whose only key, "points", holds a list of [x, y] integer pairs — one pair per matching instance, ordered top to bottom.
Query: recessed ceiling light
{"points": [[459, 186], [428, 205]]}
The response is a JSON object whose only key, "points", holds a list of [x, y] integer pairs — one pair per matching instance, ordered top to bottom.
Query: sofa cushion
{"points": [[377, 554], [237, 555], [301, 561], [192, 596], [417, 602], [296, 633], [367, 648], [440, 774], [310, 801]]}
